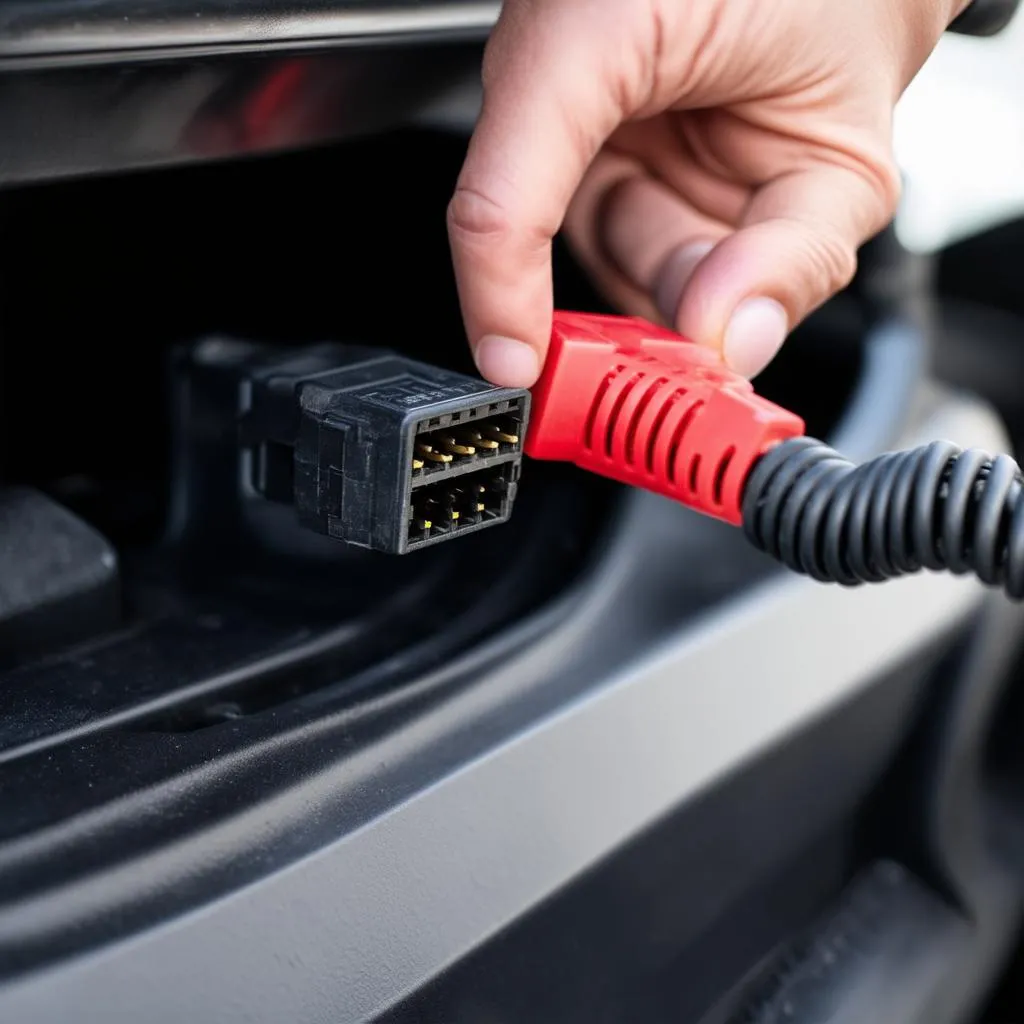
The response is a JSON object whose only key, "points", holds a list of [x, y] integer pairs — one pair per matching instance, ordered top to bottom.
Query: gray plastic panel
{"points": [[343, 934]]}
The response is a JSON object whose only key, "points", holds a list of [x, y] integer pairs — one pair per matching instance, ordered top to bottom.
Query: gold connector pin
{"points": [[500, 435], [480, 441], [455, 448], [428, 453], [417, 463], [451, 497], [470, 503], [440, 514]]}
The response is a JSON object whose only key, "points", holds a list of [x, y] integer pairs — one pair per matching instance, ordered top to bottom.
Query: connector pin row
{"points": [[465, 442], [431, 512]]}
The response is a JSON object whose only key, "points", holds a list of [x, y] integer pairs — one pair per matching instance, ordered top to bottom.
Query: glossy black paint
{"points": [[62, 32], [89, 87], [69, 122]]}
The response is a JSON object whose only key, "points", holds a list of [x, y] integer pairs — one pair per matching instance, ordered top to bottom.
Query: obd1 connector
{"points": [[378, 450]]}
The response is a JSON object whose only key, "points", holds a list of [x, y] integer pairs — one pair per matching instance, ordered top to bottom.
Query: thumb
{"points": [[546, 113], [795, 248]]}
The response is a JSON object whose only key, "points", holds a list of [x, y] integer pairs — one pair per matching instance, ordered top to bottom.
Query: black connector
{"points": [[378, 450]]}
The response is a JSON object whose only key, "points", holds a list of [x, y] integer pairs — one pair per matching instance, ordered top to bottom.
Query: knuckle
{"points": [[883, 179], [875, 184], [890, 186], [473, 214], [477, 220], [834, 262]]}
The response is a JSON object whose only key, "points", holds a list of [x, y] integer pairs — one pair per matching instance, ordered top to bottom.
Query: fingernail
{"points": [[675, 273], [755, 333], [506, 361]]}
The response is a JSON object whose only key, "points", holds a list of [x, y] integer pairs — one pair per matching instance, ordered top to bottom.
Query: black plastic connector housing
{"points": [[378, 450]]}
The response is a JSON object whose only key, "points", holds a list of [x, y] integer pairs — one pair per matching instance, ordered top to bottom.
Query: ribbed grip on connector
{"points": [[639, 404], [639, 421]]}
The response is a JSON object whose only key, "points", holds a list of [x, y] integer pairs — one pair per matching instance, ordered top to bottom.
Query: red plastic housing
{"points": [[631, 401]]}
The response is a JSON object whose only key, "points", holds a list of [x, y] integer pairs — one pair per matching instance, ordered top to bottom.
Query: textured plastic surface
{"points": [[634, 402], [381, 451], [880, 956]]}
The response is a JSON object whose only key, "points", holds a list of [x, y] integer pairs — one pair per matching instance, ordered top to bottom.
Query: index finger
{"points": [[547, 110]]}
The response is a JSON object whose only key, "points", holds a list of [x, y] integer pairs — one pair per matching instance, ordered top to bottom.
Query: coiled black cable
{"points": [[935, 507]]}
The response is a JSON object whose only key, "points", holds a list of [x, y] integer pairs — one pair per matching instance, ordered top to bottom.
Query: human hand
{"points": [[716, 163]]}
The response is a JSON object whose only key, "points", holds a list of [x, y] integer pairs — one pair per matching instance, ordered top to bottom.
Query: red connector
{"points": [[642, 405]]}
